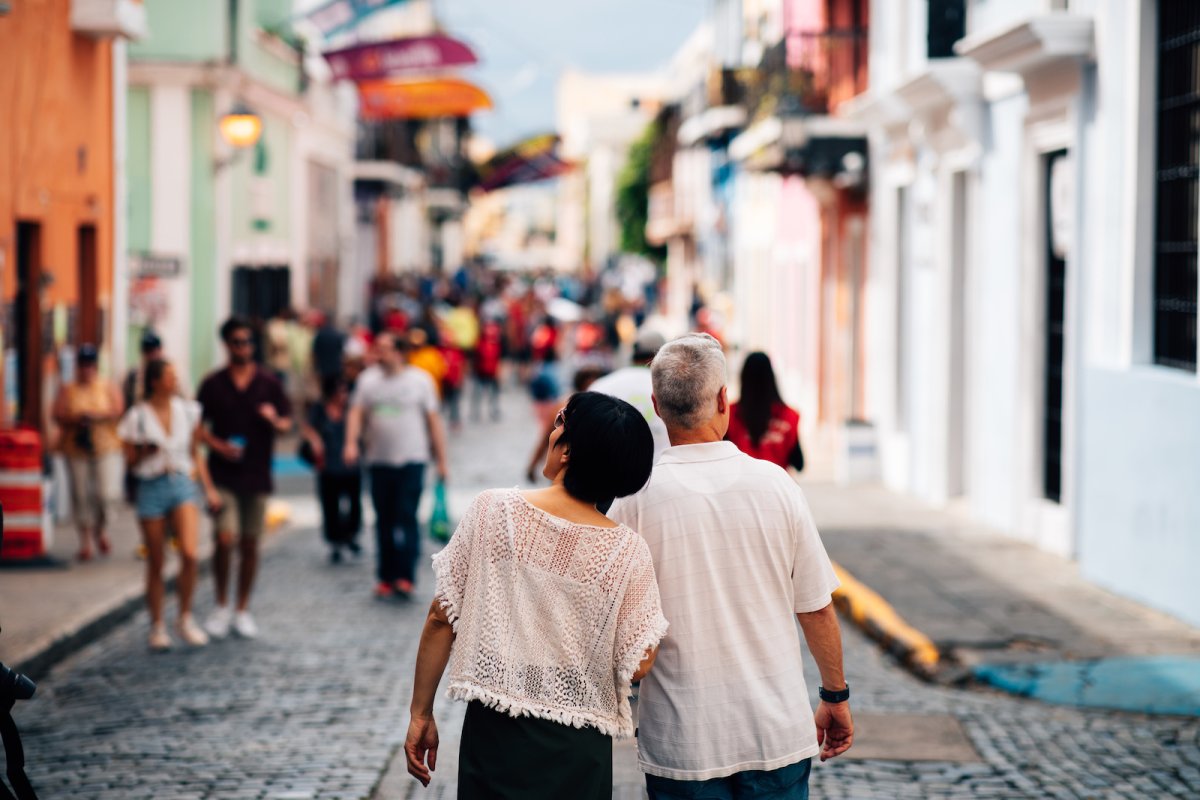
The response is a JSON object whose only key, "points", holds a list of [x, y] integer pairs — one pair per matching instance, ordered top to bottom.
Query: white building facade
{"points": [[1032, 286]]}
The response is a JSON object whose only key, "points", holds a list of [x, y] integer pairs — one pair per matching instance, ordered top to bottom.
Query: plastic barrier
{"points": [[27, 526]]}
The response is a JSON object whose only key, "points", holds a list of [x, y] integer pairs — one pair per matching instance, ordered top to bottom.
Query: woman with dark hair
{"points": [[760, 424], [161, 436], [546, 611]]}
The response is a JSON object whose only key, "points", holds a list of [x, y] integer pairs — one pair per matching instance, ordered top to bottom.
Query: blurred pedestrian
{"points": [[328, 345], [423, 354], [486, 369], [452, 384], [632, 384], [134, 386], [244, 408], [394, 409], [87, 410], [760, 423], [162, 440], [339, 485], [739, 562], [539, 644]]}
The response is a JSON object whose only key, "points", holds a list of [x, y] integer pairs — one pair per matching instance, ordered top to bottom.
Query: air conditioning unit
{"points": [[107, 18]]}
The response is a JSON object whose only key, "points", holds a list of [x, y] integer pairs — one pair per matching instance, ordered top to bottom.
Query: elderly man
{"points": [[725, 712]]}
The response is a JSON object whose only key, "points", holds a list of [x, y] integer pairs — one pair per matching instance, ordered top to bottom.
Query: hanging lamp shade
{"points": [[420, 99], [240, 127]]}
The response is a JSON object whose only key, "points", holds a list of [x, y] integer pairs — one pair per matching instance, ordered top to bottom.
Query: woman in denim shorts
{"points": [[160, 435]]}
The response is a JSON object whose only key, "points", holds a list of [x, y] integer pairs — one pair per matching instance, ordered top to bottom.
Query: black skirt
{"points": [[529, 758]]}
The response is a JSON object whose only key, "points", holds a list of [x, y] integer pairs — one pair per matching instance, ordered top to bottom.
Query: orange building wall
{"points": [[56, 146]]}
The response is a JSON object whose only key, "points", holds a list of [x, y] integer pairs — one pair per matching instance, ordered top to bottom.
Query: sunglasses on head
{"points": [[560, 418]]}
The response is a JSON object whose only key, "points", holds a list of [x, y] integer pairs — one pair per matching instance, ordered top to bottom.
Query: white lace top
{"points": [[551, 618]]}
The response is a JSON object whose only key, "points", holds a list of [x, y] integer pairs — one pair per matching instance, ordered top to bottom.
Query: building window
{"points": [[947, 23], [1177, 181], [1054, 346]]}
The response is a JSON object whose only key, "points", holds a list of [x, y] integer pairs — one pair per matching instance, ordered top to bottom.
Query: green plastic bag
{"points": [[439, 522]]}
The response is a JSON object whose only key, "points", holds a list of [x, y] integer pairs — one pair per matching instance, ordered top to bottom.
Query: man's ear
{"points": [[723, 400], [654, 402]]}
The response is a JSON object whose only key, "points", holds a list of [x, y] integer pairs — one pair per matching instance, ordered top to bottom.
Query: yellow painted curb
{"points": [[278, 514], [878, 619]]}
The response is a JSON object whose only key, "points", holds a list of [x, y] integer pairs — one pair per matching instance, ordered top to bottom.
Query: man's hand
{"points": [[267, 411], [225, 449], [350, 452], [442, 472], [835, 729], [421, 744]]}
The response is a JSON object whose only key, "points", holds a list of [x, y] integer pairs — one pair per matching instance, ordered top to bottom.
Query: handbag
{"points": [[439, 521]]}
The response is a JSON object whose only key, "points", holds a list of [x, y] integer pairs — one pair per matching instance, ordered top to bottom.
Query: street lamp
{"points": [[240, 128]]}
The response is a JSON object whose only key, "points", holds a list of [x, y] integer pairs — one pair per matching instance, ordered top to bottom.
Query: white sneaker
{"points": [[218, 622], [243, 623], [191, 633], [160, 640]]}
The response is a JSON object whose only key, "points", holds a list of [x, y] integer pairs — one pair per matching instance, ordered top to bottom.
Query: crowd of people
{"points": [[670, 546]]}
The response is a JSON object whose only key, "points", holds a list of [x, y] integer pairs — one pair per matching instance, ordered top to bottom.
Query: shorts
{"points": [[95, 486], [157, 497], [242, 514]]}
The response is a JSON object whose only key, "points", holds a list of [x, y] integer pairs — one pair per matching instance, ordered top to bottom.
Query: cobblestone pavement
{"points": [[317, 706]]}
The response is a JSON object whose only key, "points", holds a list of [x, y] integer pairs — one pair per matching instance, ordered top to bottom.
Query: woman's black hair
{"points": [[152, 375], [331, 384], [759, 394], [612, 450]]}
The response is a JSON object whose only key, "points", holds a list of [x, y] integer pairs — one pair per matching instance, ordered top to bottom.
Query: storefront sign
{"points": [[381, 59], [155, 265]]}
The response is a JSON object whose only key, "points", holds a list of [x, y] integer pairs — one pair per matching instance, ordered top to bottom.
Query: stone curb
{"points": [[879, 620], [67, 642]]}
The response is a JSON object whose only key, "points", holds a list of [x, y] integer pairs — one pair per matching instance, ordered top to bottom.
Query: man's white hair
{"points": [[688, 373]]}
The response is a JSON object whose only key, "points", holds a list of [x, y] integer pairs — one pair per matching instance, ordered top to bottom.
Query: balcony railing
{"points": [[809, 73]]}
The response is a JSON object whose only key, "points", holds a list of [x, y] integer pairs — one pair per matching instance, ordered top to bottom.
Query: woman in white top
{"points": [[161, 438], [546, 612]]}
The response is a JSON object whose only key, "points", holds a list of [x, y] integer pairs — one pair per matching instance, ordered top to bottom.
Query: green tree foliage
{"points": [[633, 197]]}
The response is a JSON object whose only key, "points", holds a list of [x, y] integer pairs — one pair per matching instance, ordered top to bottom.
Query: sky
{"points": [[523, 46]]}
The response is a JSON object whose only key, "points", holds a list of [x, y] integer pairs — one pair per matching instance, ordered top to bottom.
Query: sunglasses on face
{"points": [[240, 341], [560, 418]]}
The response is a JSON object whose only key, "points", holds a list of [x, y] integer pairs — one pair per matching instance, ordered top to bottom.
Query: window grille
{"points": [[1177, 182]]}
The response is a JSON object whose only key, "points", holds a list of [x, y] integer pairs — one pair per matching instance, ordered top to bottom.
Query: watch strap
{"points": [[839, 696]]}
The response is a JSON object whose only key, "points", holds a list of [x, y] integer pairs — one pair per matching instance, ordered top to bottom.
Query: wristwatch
{"points": [[839, 696]]}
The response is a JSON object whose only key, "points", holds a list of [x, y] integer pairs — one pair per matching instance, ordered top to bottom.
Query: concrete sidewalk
{"points": [[923, 576]]}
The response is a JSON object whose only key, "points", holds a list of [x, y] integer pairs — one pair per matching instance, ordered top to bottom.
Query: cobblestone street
{"points": [[316, 707]]}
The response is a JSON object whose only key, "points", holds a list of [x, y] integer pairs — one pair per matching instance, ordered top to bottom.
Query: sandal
{"points": [[104, 545], [83, 555]]}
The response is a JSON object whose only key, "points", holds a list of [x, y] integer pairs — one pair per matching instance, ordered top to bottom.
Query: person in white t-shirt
{"points": [[632, 384], [394, 410], [739, 560]]}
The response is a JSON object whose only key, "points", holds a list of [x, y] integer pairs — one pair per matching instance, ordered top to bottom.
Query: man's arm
{"points": [[354, 420], [835, 727]]}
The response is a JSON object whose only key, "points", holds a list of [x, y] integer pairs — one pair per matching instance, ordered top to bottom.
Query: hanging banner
{"points": [[341, 15], [382, 59], [420, 99], [531, 160]]}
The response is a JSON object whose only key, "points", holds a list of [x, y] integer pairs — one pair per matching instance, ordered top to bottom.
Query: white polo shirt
{"points": [[633, 385], [737, 554]]}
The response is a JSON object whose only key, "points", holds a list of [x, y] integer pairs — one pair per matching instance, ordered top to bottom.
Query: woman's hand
{"points": [[421, 744]]}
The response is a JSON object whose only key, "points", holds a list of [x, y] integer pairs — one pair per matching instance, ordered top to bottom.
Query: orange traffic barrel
{"points": [[27, 526]]}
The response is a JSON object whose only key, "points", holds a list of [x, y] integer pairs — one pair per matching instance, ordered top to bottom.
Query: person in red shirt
{"points": [[760, 423]]}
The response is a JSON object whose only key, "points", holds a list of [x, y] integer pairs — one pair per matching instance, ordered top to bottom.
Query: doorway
{"points": [[1055, 174], [89, 308], [28, 312]]}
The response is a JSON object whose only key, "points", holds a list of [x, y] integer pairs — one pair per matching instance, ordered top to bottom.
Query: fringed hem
{"points": [[444, 601], [629, 665], [618, 729]]}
